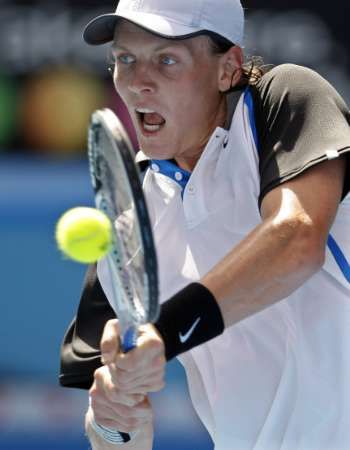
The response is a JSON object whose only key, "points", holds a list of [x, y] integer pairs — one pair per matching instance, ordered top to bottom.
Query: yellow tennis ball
{"points": [[84, 234]]}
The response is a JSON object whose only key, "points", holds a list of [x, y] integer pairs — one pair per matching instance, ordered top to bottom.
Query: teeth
{"points": [[144, 110], [151, 127]]}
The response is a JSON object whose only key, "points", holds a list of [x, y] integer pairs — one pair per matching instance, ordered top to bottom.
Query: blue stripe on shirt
{"points": [[339, 257]]}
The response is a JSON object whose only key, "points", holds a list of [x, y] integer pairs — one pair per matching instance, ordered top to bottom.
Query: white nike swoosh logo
{"points": [[185, 337]]}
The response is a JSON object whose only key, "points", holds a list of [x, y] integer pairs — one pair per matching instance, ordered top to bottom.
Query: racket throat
{"points": [[129, 339]]}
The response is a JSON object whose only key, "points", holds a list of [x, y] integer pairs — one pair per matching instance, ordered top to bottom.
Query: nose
{"points": [[141, 80]]}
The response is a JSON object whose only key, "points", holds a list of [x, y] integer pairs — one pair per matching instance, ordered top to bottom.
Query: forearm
{"points": [[279, 255], [268, 265], [143, 440]]}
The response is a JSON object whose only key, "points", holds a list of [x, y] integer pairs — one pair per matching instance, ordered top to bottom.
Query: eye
{"points": [[126, 59], [168, 60]]}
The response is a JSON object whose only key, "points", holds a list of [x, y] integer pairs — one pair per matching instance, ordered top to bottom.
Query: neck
{"points": [[188, 162]]}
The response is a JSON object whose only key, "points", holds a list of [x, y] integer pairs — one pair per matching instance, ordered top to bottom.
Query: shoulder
{"points": [[290, 73], [294, 82]]}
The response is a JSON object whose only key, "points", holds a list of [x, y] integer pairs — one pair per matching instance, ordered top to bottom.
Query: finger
{"points": [[110, 341], [148, 346], [144, 356], [123, 377], [123, 381], [143, 385], [146, 387], [105, 388], [116, 398], [110, 409], [120, 417], [116, 420]]}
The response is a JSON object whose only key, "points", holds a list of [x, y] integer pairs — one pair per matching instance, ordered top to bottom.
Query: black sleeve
{"points": [[301, 120], [80, 351]]}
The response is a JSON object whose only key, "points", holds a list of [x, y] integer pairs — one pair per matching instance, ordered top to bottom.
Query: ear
{"points": [[230, 68]]}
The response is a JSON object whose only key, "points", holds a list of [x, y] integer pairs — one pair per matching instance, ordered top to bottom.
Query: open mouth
{"points": [[149, 120]]}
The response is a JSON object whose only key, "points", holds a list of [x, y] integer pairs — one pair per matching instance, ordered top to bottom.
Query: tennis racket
{"points": [[118, 193]]}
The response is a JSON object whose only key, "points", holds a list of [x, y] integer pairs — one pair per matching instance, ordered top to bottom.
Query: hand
{"points": [[142, 369], [115, 409]]}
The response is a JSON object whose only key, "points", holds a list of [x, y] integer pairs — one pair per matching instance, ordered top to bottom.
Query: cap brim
{"points": [[101, 29]]}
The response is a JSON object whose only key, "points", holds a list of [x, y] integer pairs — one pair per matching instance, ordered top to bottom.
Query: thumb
{"points": [[110, 342]]}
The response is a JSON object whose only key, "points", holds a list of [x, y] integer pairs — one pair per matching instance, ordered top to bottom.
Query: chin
{"points": [[155, 151], [153, 154]]}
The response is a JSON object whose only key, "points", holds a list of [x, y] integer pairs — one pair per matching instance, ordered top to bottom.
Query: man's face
{"points": [[171, 90]]}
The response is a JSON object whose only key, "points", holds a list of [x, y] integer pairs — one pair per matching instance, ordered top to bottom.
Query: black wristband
{"points": [[188, 319]]}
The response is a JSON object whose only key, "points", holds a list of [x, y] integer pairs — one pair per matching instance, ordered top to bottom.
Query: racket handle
{"points": [[129, 339], [109, 435]]}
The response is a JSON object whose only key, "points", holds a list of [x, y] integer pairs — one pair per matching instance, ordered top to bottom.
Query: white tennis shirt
{"points": [[279, 380]]}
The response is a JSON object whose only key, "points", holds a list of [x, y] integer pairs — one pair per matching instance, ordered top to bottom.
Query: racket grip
{"points": [[129, 339]]}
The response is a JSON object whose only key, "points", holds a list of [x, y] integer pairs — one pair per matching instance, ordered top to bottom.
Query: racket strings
{"points": [[127, 254]]}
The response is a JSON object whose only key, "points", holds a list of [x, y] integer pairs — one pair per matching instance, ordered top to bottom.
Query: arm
{"points": [[287, 248]]}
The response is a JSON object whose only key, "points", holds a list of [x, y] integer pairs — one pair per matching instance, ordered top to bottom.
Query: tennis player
{"points": [[247, 185]]}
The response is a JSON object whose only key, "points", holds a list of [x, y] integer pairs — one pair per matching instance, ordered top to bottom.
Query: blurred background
{"points": [[50, 82]]}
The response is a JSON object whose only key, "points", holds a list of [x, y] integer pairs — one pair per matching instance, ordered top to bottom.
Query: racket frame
{"points": [[106, 121]]}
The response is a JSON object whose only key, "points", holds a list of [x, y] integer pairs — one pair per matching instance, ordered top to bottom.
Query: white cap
{"points": [[173, 19]]}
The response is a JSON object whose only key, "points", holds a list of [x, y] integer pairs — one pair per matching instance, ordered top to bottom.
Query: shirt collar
{"points": [[166, 167], [171, 170]]}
